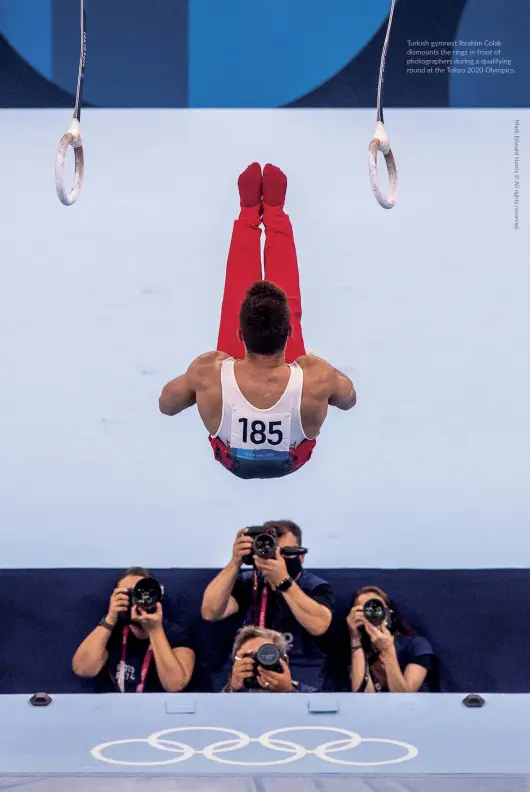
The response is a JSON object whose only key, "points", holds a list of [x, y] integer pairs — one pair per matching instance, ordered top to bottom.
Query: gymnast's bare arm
{"points": [[330, 383], [181, 392], [342, 393]]}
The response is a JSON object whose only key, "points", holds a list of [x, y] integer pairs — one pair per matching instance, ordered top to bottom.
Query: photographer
{"points": [[277, 593], [131, 645], [386, 654], [261, 664]]}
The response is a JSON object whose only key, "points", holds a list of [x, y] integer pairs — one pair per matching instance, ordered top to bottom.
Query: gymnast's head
{"points": [[264, 319]]}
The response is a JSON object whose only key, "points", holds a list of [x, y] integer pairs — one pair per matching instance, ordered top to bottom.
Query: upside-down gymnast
{"points": [[262, 399]]}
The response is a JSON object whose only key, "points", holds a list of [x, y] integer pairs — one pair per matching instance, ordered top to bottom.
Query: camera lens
{"points": [[265, 546], [146, 594], [375, 611], [268, 655]]}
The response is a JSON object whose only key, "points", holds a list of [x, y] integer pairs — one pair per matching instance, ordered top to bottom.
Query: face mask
{"points": [[294, 567]]}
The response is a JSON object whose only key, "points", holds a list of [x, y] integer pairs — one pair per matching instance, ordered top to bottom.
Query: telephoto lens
{"points": [[265, 546], [147, 594], [375, 612], [267, 656]]}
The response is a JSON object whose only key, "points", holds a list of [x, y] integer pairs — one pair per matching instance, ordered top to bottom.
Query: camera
{"points": [[264, 545], [146, 595], [376, 612], [267, 656]]}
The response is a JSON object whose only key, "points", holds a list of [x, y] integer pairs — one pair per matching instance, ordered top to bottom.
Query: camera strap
{"points": [[260, 610], [145, 665]]}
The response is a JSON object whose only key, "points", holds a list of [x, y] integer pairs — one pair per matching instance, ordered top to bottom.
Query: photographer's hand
{"points": [[242, 546], [274, 570], [218, 602], [119, 603], [354, 620], [149, 621], [381, 638], [242, 669], [276, 681]]}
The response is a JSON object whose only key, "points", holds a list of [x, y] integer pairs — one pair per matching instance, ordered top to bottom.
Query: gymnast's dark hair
{"points": [[264, 319]]}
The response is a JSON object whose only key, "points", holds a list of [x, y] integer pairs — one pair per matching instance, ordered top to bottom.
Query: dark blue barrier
{"points": [[476, 620]]}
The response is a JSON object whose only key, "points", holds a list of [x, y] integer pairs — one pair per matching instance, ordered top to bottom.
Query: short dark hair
{"points": [[265, 319], [284, 527], [134, 571]]}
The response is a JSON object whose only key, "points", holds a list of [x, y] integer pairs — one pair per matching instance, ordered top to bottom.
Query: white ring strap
{"points": [[73, 137], [380, 140]]}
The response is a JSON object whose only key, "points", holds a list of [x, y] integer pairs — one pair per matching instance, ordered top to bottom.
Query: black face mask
{"points": [[294, 566]]}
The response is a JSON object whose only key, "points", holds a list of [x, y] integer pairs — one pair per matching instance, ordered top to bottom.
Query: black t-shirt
{"points": [[308, 653], [134, 658]]}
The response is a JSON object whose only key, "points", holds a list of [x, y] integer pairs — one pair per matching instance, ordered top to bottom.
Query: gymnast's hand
{"points": [[149, 621]]}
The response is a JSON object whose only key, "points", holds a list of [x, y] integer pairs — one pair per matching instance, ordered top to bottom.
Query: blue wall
{"points": [[28, 25], [265, 53], [425, 307]]}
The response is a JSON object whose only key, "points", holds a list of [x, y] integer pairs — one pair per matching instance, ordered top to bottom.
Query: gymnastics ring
{"points": [[72, 138], [380, 142]]}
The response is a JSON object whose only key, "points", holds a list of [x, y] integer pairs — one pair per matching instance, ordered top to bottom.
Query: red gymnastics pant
{"points": [[243, 268]]}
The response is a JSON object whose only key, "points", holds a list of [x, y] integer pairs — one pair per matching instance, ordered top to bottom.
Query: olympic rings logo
{"points": [[217, 751]]}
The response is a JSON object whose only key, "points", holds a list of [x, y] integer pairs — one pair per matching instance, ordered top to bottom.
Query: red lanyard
{"points": [[263, 606], [259, 617], [145, 665]]}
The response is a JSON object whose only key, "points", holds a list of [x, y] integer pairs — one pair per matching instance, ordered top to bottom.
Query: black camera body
{"points": [[265, 543], [146, 595], [267, 656]]}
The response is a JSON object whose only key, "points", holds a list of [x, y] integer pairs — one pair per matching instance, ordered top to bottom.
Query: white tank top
{"points": [[261, 435]]}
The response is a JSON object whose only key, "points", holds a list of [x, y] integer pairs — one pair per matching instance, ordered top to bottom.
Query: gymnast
{"points": [[262, 399]]}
